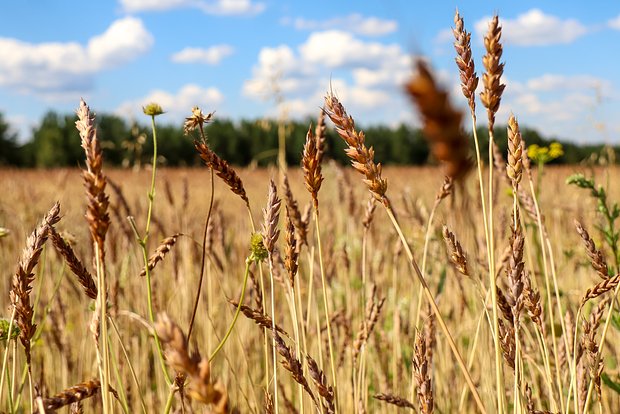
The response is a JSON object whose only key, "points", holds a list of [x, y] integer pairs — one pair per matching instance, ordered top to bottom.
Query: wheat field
{"points": [[321, 288], [64, 354]]}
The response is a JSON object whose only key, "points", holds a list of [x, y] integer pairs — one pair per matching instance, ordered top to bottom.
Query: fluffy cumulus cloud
{"points": [[216, 7], [354, 23], [535, 28], [121, 42], [335, 48], [209, 56], [53, 68], [279, 69], [366, 75], [554, 82], [556, 104], [176, 105]]}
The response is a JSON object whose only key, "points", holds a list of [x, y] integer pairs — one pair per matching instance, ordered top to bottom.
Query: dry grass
{"points": [[332, 317], [242, 367]]}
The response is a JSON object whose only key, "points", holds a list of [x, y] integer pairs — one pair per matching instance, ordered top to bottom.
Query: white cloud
{"points": [[153, 5], [217, 7], [232, 7], [354, 23], [614, 23], [535, 28], [120, 43], [334, 49], [210, 56], [370, 64], [55, 68], [278, 68], [391, 73], [367, 76], [554, 82], [360, 102], [177, 105], [556, 105], [566, 108]]}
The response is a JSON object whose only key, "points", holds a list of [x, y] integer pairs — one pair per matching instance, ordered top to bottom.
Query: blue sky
{"points": [[237, 56]]}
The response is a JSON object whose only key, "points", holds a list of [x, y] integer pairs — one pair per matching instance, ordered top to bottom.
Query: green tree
{"points": [[9, 148]]}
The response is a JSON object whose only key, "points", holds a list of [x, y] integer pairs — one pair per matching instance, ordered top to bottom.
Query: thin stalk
{"points": [[151, 194], [490, 235], [427, 236], [143, 244], [546, 247], [310, 258], [202, 260], [262, 288], [290, 298], [149, 301], [325, 304], [440, 320], [234, 321], [273, 342], [601, 344], [472, 353], [5, 359], [105, 363], [130, 365], [573, 369], [517, 370], [499, 374], [357, 386], [122, 400], [169, 401], [12, 405]]}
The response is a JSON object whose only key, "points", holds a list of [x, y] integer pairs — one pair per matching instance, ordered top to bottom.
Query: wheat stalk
{"points": [[462, 45], [24, 276]]}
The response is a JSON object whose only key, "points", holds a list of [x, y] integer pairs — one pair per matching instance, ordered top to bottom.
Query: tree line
{"points": [[55, 143]]}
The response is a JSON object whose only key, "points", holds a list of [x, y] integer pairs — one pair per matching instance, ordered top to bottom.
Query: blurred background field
{"points": [[63, 354]]}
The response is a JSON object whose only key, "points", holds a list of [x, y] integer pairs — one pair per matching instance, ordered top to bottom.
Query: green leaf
{"points": [[580, 181], [442, 281], [615, 321], [611, 384]]}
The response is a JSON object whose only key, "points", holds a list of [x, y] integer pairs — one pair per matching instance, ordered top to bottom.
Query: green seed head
{"points": [[152, 109], [259, 252], [4, 330]]}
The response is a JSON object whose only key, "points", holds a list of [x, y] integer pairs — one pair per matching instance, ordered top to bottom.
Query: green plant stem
{"points": [[151, 193], [143, 243], [234, 321], [273, 340], [5, 359], [130, 365], [121, 389], [169, 401]]}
